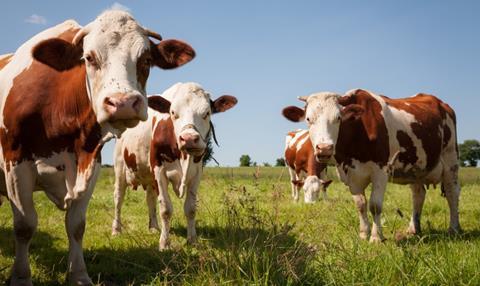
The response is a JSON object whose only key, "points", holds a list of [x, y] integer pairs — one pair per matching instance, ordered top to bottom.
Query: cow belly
{"points": [[415, 175]]}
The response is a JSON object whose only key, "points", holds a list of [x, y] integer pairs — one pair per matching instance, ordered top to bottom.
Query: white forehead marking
{"points": [[118, 31], [188, 95], [325, 103]]}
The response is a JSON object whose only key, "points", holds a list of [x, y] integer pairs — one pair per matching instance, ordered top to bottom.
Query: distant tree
{"points": [[469, 152], [208, 153], [245, 161], [280, 162], [254, 164], [266, 164]]}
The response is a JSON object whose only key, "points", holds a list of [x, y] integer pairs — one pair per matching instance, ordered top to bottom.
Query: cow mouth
{"points": [[194, 151], [323, 158]]}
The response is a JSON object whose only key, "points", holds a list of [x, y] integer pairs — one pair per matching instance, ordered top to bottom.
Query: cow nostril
{"points": [[108, 101], [136, 104], [182, 139], [196, 139]]}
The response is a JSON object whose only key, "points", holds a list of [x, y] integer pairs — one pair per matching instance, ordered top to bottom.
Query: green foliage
{"points": [[469, 152], [245, 161], [280, 162], [266, 164], [252, 233]]}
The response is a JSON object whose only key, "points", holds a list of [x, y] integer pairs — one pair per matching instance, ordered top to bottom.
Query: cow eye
{"points": [[90, 58], [174, 115], [206, 115], [308, 119]]}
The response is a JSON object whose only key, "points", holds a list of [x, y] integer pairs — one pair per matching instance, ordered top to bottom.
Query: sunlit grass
{"points": [[251, 232]]}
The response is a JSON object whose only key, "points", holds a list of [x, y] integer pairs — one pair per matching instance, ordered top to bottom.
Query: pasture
{"points": [[251, 232]]}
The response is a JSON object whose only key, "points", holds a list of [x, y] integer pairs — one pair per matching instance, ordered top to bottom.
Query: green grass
{"points": [[251, 232]]}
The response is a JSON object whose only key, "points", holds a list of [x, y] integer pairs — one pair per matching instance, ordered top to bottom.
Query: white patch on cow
{"points": [[22, 59], [400, 120], [295, 138], [311, 186]]}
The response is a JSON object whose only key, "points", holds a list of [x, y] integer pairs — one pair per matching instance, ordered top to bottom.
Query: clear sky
{"points": [[267, 53]]}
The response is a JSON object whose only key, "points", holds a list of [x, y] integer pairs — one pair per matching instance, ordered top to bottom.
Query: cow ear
{"points": [[58, 54], [170, 54], [223, 103], [159, 104], [352, 112], [293, 113], [325, 183]]}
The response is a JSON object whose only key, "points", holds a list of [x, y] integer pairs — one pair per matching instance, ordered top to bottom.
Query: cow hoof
{"points": [[116, 231], [412, 231], [454, 231], [363, 235], [376, 239], [192, 240], [164, 245], [15, 281], [85, 281]]}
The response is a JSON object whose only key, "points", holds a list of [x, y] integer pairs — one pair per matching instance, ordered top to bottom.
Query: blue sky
{"points": [[267, 53]]}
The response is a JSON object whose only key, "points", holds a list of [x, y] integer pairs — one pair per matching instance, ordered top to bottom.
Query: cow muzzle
{"points": [[125, 108], [192, 143], [323, 152]]}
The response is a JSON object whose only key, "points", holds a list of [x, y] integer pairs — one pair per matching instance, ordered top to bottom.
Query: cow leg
{"points": [[293, 177], [379, 184], [20, 186], [451, 189], [358, 194], [118, 196], [151, 197], [418, 198], [166, 207], [190, 208], [75, 219]]}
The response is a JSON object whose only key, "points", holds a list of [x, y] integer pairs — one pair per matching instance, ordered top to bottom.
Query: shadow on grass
{"points": [[239, 255]]}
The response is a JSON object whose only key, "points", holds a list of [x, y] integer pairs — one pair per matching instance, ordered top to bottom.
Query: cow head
{"points": [[117, 53], [190, 109], [324, 112], [312, 187]]}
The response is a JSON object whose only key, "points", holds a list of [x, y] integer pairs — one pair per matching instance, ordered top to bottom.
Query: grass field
{"points": [[251, 232]]}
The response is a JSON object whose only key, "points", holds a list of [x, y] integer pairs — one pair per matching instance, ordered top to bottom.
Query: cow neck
{"points": [[353, 142]]}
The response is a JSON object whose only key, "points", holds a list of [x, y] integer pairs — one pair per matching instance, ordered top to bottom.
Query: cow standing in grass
{"points": [[64, 93], [373, 138], [167, 148], [304, 170]]}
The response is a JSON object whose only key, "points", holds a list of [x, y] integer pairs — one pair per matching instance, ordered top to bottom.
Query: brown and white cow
{"points": [[64, 93], [373, 138], [167, 148], [304, 170]]}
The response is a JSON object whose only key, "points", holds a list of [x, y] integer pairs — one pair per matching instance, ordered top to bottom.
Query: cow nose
{"points": [[124, 106], [189, 138], [324, 150]]}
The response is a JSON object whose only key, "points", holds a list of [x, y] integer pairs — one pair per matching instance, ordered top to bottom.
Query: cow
{"points": [[64, 93], [376, 139], [167, 148], [304, 170]]}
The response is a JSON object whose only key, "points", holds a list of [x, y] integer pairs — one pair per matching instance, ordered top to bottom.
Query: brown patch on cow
{"points": [[4, 61], [48, 111], [430, 114], [355, 136], [163, 146], [409, 156], [304, 158], [130, 160]]}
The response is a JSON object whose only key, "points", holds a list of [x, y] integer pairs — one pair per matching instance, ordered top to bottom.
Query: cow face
{"points": [[117, 54], [190, 109], [324, 113], [312, 187]]}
